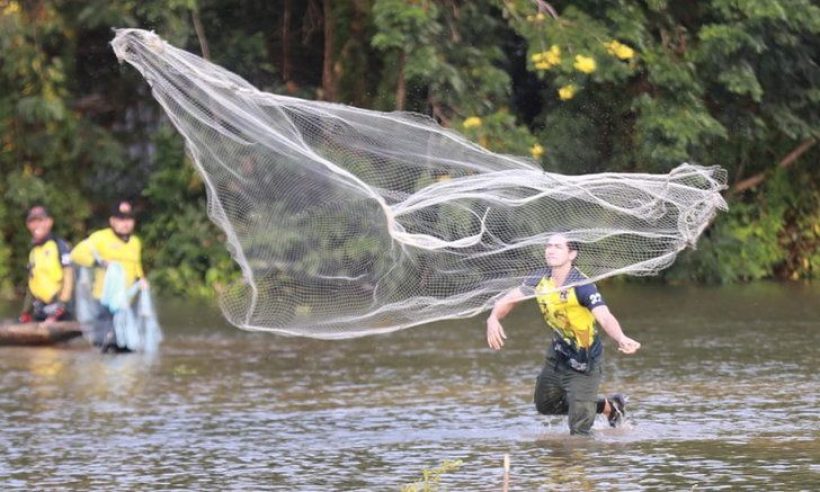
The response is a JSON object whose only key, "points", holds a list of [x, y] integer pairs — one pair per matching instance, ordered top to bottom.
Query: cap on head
{"points": [[122, 210], [37, 212]]}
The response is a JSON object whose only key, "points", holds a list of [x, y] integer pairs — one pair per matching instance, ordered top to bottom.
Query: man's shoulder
{"points": [[101, 234], [60, 241], [51, 242], [63, 246], [64, 250], [576, 276], [534, 277], [586, 293]]}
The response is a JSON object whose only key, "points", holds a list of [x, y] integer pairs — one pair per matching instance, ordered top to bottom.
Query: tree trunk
{"points": [[354, 52], [287, 63], [328, 80], [401, 84]]}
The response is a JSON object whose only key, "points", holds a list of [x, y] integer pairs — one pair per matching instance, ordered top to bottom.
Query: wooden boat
{"points": [[38, 333]]}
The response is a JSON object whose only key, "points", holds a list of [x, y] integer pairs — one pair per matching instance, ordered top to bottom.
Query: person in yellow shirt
{"points": [[115, 244], [50, 275], [571, 307]]}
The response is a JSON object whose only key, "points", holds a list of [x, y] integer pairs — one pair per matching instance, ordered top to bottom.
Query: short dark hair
{"points": [[571, 245]]}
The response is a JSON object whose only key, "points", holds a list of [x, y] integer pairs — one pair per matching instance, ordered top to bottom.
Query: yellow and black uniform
{"points": [[104, 247], [50, 277], [568, 311]]}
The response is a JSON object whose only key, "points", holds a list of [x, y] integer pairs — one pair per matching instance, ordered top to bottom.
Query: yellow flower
{"points": [[11, 8], [620, 50], [553, 55], [547, 59], [585, 64], [567, 92], [472, 122], [537, 151]]}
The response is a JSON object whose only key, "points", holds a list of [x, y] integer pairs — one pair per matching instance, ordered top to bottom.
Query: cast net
{"points": [[349, 222]]}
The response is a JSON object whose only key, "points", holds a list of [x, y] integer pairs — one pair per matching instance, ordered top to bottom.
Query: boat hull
{"points": [[39, 333]]}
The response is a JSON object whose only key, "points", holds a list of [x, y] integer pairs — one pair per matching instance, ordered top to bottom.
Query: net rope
{"points": [[348, 222]]}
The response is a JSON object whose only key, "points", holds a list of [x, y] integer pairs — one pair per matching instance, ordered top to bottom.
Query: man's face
{"points": [[123, 226], [39, 227], [557, 252]]}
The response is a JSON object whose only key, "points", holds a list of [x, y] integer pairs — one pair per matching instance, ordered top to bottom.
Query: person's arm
{"points": [[84, 253], [140, 271], [68, 272], [68, 285], [25, 313], [613, 328], [495, 332]]}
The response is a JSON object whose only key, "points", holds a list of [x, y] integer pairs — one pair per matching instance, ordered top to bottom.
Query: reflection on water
{"points": [[723, 396]]}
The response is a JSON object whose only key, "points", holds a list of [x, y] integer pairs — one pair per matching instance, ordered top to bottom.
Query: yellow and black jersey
{"points": [[105, 246], [45, 268], [568, 311]]}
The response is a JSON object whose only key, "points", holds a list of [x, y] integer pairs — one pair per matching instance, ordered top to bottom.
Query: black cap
{"points": [[122, 210], [37, 212]]}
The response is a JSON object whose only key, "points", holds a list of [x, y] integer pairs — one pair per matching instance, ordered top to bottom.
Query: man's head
{"points": [[122, 218], [39, 223], [560, 251]]}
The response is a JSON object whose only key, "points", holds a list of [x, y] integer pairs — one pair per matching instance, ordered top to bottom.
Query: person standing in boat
{"points": [[116, 246], [50, 275], [568, 382]]}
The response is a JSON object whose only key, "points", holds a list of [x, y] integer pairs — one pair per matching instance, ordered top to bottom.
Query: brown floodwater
{"points": [[723, 396]]}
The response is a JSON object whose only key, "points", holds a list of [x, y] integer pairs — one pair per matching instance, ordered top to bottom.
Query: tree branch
{"points": [[545, 7], [200, 33], [787, 161]]}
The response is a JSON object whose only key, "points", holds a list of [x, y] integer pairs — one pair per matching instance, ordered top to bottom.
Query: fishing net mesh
{"points": [[348, 222]]}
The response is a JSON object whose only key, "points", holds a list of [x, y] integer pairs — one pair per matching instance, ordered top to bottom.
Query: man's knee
{"points": [[549, 401], [550, 408], [581, 417]]}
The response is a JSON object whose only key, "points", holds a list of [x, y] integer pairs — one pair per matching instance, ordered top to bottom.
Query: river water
{"points": [[723, 396]]}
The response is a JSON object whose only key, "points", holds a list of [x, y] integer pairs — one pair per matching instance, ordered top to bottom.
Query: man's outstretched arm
{"points": [[613, 328], [495, 332]]}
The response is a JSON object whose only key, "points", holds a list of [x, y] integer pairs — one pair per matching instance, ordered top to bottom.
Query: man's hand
{"points": [[24, 318], [495, 333], [628, 345]]}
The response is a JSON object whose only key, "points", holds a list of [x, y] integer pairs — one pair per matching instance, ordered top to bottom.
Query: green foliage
{"points": [[451, 59], [604, 86], [499, 132], [761, 239], [186, 251], [431, 477]]}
